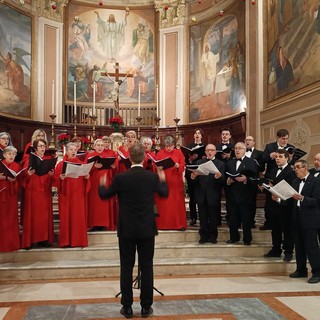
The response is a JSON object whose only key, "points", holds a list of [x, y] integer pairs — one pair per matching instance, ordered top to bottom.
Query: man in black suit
{"points": [[198, 133], [225, 152], [253, 153], [268, 160], [316, 170], [241, 172], [316, 173], [208, 196], [281, 211], [306, 222], [136, 227]]}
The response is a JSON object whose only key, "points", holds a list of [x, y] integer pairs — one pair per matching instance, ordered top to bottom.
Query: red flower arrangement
{"points": [[116, 123], [63, 139], [85, 143]]}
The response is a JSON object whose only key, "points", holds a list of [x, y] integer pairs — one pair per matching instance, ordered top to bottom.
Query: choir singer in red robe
{"points": [[9, 187], [72, 204], [37, 206], [172, 210], [101, 213]]}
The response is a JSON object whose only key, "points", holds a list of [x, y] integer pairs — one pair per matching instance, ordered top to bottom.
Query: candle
{"points": [[75, 97], [52, 98], [94, 99], [139, 99], [177, 101], [157, 106]]}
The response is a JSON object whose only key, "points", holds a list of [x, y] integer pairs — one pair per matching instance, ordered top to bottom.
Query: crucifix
{"points": [[116, 84]]}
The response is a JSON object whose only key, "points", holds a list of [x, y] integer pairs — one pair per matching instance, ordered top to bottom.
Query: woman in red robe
{"points": [[37, 134], [130, 140], [5, 141], [148, 163], [72, 205], [37, 206], [172, 210], [101, 213], [9, 217]]}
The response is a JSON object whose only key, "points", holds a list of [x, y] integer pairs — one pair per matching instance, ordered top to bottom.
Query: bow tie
{"points": [[249, 149], [239, 159], [280, 168], [302, 180]]}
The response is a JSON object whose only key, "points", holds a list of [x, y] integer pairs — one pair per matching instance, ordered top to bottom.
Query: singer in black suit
{"points": [[198, 133], [253, 153], [268, 160], [316, 170], [240, 190], [208, 196], [281, 211], [306, 222], [136, 227]]}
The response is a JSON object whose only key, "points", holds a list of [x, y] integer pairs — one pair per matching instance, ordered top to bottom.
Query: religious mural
{"points": [[101, 39], [293, 45], [15, 62], [217, 66]]}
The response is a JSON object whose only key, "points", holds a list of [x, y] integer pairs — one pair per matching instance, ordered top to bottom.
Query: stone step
{"points": [[168, 236], [162, 251], [162, 267]]}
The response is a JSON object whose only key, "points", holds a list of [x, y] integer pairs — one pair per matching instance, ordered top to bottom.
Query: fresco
{"points": [[100, 38], [293, 46], [15, 62], [217, 66]]}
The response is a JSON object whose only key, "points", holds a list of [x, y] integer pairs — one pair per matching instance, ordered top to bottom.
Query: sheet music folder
{"points": [[199, 150], [106, 162], [164, 163], [41, 166], [7, 172]]}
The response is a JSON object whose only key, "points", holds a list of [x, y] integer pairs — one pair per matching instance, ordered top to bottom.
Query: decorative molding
{"points": [[52, 10], [172, 12]]}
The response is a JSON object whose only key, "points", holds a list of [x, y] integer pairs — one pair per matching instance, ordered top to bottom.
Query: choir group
{"points": [[239, 172]]}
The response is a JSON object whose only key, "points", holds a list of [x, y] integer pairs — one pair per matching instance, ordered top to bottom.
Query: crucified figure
{"points": [[114, 95]]}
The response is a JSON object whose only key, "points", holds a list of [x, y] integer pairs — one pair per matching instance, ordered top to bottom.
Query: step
{"points": [[168, 236], [108, 252], [162, 267]]}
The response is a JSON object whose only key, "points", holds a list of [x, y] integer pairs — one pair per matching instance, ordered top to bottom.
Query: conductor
{"points": [[136, 228]]}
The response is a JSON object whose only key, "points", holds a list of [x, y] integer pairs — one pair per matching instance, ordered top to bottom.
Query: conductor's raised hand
{"points": [[161, 174]]}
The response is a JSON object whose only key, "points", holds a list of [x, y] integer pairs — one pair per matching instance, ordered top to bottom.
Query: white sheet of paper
{"points": [[205, 168], [75, 171], [282, 190]]}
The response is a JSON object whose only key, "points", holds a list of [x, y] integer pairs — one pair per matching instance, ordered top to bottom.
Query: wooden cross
{"points": [[117, 83]]}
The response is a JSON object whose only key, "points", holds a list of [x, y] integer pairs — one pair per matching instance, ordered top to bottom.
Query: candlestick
{"points": [[75, 97], [52, 98], [94, 99], [139, 100], [75, 118], [94, 118], [138, 120], [176, 120], [157, 139], [52, 144]]}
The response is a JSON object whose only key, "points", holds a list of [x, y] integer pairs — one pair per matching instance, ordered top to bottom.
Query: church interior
{"points": [[95, 68]]}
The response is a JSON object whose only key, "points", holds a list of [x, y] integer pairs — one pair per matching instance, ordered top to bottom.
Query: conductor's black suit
{"points": [[136, 228]]}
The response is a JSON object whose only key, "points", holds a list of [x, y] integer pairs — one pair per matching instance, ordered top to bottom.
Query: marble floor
{"points": [[263, 297]]}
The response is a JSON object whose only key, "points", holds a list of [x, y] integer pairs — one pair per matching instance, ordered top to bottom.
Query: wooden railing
{"points": [[127, 113]]}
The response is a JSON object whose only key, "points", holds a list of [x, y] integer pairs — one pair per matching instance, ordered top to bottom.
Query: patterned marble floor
{"points": [[202, 297]]}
